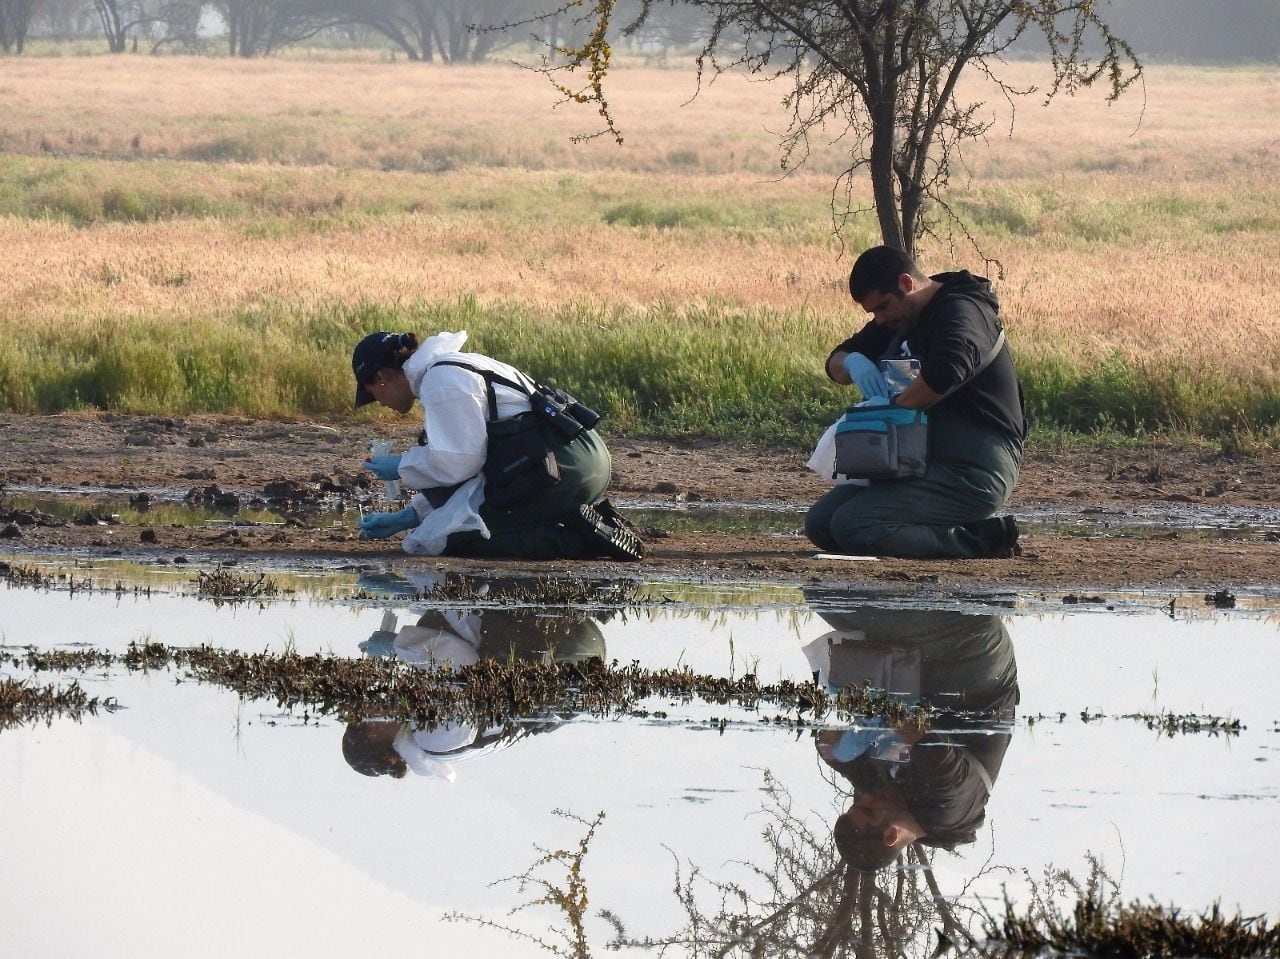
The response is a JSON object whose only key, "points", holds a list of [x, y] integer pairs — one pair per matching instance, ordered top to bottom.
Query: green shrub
{"points": [[229, 148], [76, 202], [123, 204], [640, 213]]}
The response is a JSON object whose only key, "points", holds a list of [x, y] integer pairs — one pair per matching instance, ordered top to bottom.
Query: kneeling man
{"points": [[967, 382]]}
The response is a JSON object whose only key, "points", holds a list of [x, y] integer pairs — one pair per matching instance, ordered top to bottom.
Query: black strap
{"points": [[986, 361], [490, 377]]}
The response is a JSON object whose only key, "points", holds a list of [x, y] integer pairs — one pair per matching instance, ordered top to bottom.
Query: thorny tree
{"points": [[881, 76], [804, 904]]}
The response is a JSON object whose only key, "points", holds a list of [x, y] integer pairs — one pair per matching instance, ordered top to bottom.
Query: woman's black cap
{"points": [[377, 351]]}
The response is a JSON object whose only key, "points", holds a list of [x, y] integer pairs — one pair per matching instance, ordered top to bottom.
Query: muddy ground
{"points": [[248, 457]]}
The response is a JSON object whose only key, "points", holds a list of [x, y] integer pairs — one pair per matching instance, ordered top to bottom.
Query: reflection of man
{"points": [[454, 639], [917, 784]]}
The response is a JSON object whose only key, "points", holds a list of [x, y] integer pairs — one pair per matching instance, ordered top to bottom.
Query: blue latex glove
{"points": [[866, 376], [875, 401], [384, 467], [382, 525], [854, 742]]}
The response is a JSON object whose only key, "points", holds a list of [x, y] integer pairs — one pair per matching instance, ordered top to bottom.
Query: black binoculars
{"points": [[562, 411]]}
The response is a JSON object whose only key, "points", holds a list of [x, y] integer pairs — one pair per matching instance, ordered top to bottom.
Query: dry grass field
{"points": [[279, 205]]}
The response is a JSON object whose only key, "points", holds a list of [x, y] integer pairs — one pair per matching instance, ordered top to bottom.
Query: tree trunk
{"points": [[882, 179]]}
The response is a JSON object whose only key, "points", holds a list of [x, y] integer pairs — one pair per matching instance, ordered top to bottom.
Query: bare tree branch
{"points": [[886, 71]]}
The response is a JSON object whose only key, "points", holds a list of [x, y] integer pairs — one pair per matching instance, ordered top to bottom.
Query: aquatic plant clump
{"points": [[24, 576], [32, 577], [223, 585], [540, 590], [490, 691], [487, 692], [493, 692], [22, 703], [1172, 724], [1098, 923]]}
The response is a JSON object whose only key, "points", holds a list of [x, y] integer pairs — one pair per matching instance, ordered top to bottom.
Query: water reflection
{"points": [[451, 639], [915, 784], [681, 786]]}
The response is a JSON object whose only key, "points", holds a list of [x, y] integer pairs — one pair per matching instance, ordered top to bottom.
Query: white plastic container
{"points": [[390, 488]]}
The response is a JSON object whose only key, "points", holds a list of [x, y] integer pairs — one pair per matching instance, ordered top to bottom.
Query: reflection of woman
{"points": [[466, 399], [380, 747], [912, 784]]}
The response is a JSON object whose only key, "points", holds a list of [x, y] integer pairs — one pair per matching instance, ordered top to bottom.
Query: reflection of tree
{"points": [[569, 895], [802, 900], [809, 904]]}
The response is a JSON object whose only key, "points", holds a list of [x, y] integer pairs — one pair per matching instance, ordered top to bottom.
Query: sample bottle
{"points": [[390, 488]]}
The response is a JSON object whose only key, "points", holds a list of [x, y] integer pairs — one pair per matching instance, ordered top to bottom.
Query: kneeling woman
{"points": [[480, 429]]}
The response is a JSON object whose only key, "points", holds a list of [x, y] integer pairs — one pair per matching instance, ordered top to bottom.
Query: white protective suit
{"points": [[455, 410], [432, 752]]}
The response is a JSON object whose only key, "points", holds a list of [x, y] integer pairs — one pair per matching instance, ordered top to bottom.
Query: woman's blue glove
{"points": [[866, 376], [384, 467], [382, 525]]}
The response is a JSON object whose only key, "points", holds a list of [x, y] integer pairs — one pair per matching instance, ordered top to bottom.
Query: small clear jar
{"points": [[899, 374]]}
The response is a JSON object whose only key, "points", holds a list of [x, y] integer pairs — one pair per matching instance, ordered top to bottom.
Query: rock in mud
{"points": [[213, 496], [28, 517], [1222, 599]]}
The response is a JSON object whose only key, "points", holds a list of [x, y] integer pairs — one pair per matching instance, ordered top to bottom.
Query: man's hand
{"points": [[865, 375], [384, 467], [382, 525]]}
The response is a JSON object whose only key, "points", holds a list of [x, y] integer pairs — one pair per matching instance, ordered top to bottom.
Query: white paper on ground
{"points": [[858, 559]]}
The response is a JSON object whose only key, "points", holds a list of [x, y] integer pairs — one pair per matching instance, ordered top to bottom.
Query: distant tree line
{"points": [[448, 31], [466, 31], [1193, 31], [1198, 31]]}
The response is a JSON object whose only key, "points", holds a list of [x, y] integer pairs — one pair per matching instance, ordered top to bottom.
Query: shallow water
{"points": [[166, 506], [190, 820]]}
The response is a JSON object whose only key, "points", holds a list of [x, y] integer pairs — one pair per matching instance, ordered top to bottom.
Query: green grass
{"points": [[85, 192], [1078, 220], [663, 369], [659, 370], [688, 371], [1193, 394]]}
